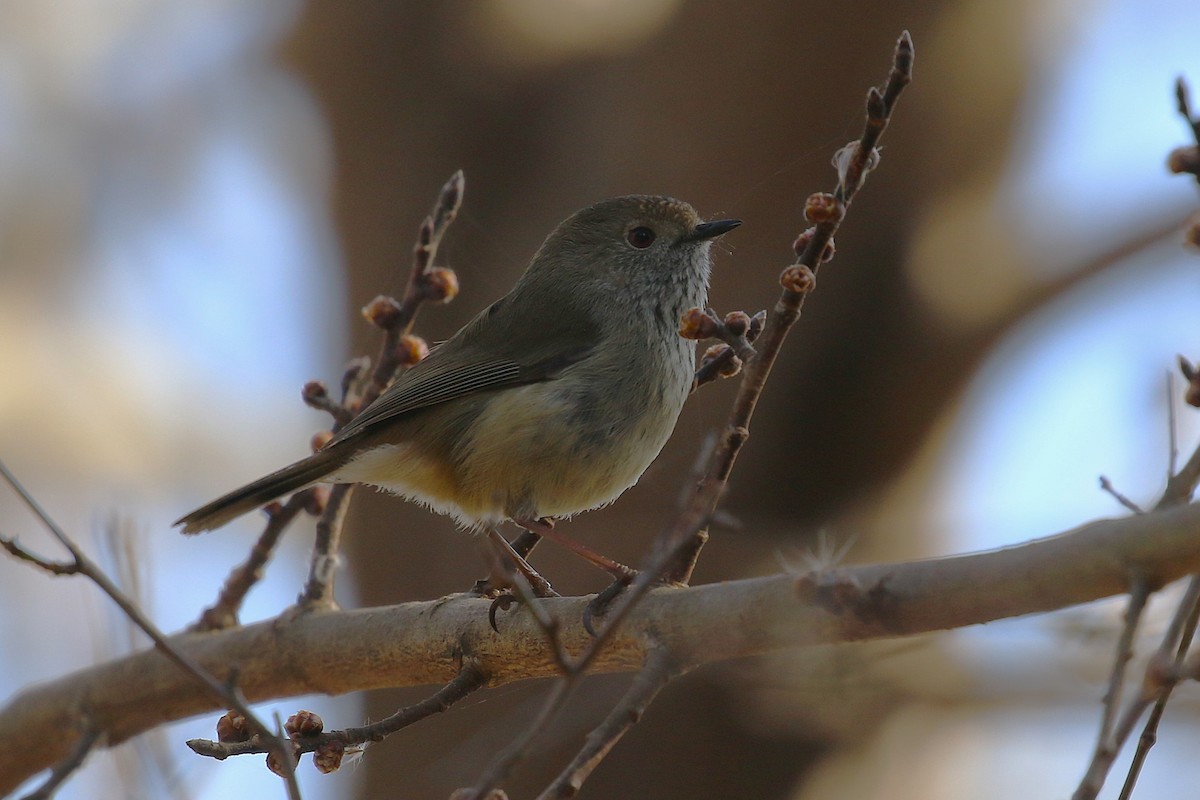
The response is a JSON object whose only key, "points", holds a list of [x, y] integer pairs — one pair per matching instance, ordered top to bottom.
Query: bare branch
{"points": [[399, 349], [224, 612], [425, 643], [194, 673], [470, 678]]}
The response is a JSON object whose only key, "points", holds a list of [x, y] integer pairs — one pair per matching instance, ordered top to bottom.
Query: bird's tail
{"points": [[262, 491]]}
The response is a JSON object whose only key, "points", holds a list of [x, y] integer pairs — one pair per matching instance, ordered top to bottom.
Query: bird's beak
{"points": [[709, 230]]}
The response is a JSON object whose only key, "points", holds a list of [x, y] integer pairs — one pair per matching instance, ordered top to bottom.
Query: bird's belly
{"points": [[542, 450], [545, 451], [415, 475]]}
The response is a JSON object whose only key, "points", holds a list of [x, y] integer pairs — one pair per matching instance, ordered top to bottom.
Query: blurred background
{"points": [[197, 196]]}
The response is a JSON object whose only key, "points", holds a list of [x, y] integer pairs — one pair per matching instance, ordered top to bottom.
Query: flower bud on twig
{"points": [[383, 312], [698, 324]]}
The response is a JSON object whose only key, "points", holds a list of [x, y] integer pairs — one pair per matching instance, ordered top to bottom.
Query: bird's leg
{"points": [[545, 527], [515, 553]]}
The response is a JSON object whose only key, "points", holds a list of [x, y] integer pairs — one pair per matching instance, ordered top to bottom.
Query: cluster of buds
{"points": [[735, 328], [738, 330]]}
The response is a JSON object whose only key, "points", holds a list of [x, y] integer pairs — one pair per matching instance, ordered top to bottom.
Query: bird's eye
{"points": [[641, 237]]}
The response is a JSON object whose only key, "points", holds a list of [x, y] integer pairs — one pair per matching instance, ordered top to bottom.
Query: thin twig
{"points": [[813, 248], [425, 283], [1172, 427], [1106, 486], [1178, 491], [318, 588], [1139, 593], [223, 613], [421, 643], [660, 669], [469, 678], [1158, 684], [227, 695], [1150, 731], [502, 764], [65, 768]]}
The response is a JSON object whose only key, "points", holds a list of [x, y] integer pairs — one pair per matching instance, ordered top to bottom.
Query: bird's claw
{"points": [[503, 602], [598, 606]]}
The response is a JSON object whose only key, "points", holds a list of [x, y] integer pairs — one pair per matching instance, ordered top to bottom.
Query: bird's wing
{"points": [[439, 379]]}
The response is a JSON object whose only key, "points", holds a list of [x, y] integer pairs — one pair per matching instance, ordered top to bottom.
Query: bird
{"points": [[552, 401]]}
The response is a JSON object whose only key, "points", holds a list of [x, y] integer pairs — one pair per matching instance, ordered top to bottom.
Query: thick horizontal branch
{"points": [[423, 643]]}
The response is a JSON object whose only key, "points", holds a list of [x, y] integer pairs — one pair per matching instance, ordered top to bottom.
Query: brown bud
{"points": [[1184, 159], [823, 207], [1191, 236], [801, 243], [798, 278], [439, 285], [383, 312], [737, 322], [697, 324], [411, 349], [714, 352], [730, 364], [731, 367], [1190, 374], [315, 394], [1192, 395], [320, 439], [317, 500], [272, 508], [303, 723], [231, 727], [327, 757], [274, 765]]}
